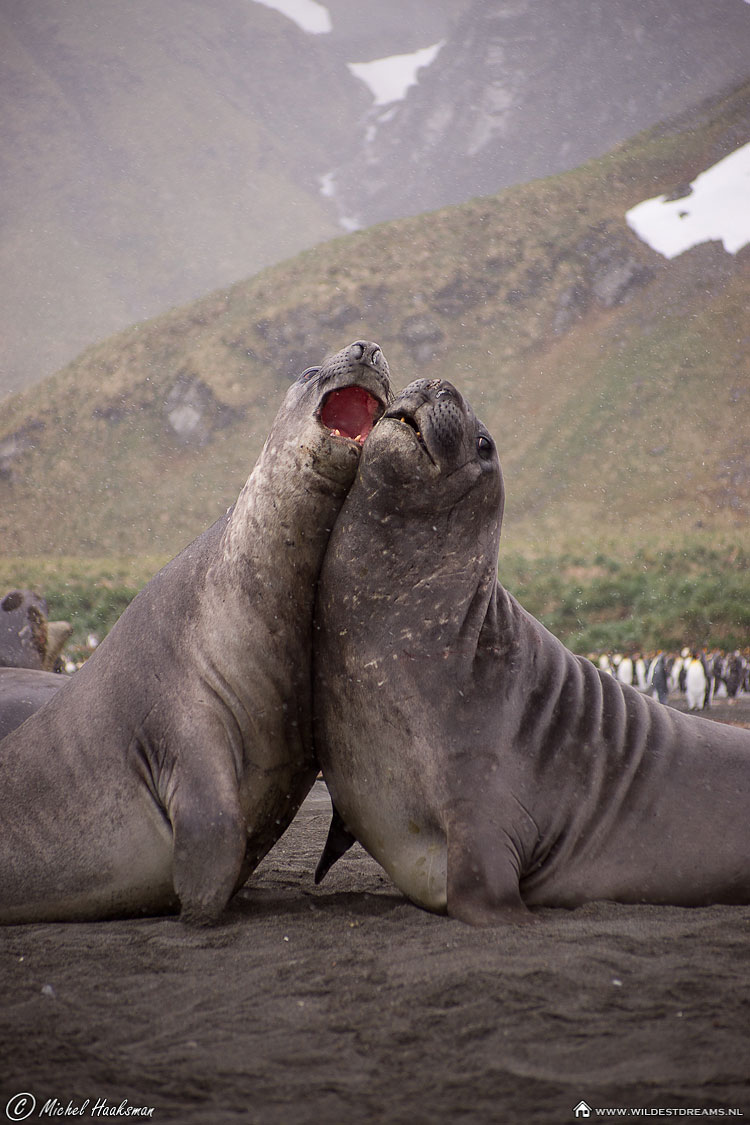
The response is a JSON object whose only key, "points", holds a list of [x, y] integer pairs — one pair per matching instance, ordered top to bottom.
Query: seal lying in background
{"points": [[30, 647], [22, 692], [171, 762], [481, 763]]}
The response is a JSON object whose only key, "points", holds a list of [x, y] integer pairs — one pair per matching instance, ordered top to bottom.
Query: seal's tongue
{"points": [[350, 413]]}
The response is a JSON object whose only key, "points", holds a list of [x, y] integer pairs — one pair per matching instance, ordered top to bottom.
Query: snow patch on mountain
{"points": [[309, 15], [389, 79], [714, 207]]}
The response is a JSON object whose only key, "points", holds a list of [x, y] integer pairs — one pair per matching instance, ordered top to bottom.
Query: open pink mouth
{"points": [[350, 413]]}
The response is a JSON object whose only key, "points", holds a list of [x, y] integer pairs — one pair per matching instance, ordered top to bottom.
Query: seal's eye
{"points": [[307, 375], [484, 447]]}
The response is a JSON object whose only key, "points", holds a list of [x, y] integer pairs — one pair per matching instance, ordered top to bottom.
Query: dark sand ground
{"points": [[344, 1003]]}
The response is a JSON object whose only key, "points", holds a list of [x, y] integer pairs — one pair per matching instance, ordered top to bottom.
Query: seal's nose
{"points": [[369, 354], [351, 359]]}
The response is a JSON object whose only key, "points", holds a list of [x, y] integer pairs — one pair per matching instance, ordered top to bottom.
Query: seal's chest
{"points": [[415, 857]]}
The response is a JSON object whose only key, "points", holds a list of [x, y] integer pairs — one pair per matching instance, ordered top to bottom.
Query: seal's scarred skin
{"points": [[486, 767], [160, 775]]}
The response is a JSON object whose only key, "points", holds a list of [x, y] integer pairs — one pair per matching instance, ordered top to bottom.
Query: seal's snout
{"points": [[369, 354], [350, 361], [357, 382], [435, 411], [405, 415], [448, 419]]}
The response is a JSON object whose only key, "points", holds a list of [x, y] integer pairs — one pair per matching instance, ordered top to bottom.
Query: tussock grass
{"points": [[89, 593], [687, 595]]}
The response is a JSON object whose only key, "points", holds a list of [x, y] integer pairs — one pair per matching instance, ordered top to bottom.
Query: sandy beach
{"points": [[345, 1003]]}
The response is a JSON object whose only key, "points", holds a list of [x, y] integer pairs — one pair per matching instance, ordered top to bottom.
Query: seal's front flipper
{"points": [[209, 841], [339, 841], [483, 888]]}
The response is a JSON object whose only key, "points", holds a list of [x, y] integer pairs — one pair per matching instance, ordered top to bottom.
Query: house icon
{"points": [[582, 1110]]}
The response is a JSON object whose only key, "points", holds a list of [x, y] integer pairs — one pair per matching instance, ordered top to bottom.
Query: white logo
{"points": [[20, 1107], [582, 1110]]}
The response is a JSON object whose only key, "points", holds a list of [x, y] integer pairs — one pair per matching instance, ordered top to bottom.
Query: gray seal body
{"points": [[22, 692], [486, 767], [162, 772]]}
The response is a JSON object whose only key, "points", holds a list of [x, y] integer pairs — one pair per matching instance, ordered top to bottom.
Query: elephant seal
{"points": [[27, 638], [22, 692], [481, 763], [162, 772]]}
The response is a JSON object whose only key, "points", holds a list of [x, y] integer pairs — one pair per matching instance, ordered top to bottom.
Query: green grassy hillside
{"points": [[616, 383]]}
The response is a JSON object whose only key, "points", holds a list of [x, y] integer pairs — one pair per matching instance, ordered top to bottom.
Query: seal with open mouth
{"points": [[486, 767], [162, 772]]}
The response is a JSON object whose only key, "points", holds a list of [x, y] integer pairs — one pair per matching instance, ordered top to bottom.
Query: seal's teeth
{"points": [[336, 433], [360, 438]]}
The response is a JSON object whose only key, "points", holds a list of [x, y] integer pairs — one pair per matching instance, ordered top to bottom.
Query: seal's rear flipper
{"points": [[339, 841]]}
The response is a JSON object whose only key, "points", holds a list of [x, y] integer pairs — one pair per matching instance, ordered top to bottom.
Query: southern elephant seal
{"points": [[27, 638], [22, 692], [170, 763], [486, 767]]}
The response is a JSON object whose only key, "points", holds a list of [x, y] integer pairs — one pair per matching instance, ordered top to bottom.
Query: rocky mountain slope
{"points": [[525, 88], [155, 150], [615, 380]]}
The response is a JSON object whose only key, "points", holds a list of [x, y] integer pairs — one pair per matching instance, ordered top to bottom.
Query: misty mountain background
{"points": [[155, 151]]}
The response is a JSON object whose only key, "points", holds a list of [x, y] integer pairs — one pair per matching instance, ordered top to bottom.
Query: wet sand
{"points": [[345, 1003]]}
